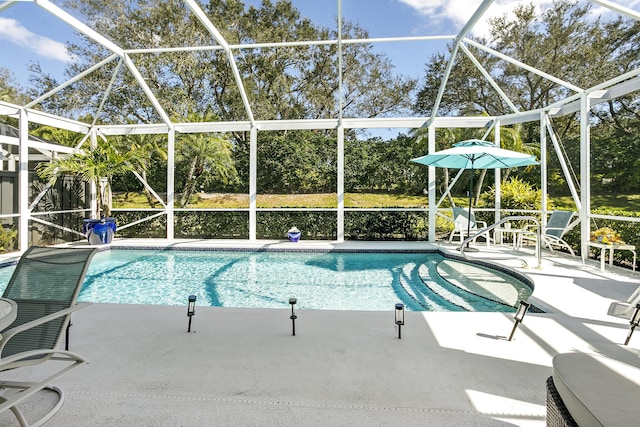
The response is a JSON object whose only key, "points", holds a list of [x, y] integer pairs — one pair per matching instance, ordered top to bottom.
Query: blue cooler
{"points": [[99, 231], [294, 234]]}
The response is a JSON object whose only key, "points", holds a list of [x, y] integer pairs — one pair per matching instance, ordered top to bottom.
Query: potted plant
{"points": [[97, 166], [607, 236]]}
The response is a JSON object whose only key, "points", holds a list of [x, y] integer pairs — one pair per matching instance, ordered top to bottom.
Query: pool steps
{"points": [[439, 293], [421, 295]]}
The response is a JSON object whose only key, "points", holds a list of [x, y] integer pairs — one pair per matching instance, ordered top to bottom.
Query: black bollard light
{"points": [[191, 309], [522, 310], [293, 316], [399, 318], [633, 323]]}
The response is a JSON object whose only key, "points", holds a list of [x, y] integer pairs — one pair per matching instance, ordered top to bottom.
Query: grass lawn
{"points": [[326, 200], [354, 200], [621, 202]]}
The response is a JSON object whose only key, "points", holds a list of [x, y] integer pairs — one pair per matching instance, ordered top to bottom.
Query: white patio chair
{"points": [[466, 225], [557, 226], [45, 286]]}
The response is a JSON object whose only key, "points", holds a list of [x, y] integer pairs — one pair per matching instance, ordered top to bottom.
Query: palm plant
{"points": [[149, 149], [206, 155], [98, 166]]}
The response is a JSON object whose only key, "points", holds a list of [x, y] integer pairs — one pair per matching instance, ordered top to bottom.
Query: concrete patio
{"points": [[343, 368]]}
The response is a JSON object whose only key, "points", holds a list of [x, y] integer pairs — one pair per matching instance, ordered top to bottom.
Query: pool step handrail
{"points": [[498, 224]]}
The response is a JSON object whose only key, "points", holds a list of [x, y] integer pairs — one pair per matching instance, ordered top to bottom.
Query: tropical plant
{"points": [[151, 150], [206, 158], [97, 166], [515, 194], [7, 239]]}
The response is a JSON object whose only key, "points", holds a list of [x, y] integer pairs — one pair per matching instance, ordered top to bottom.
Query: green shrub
{"points": [[515, 195], [273, 225], [384, 225], [8, 239]]}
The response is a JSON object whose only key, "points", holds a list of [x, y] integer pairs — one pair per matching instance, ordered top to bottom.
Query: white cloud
{"points": [[460, 11], [13, 31]]}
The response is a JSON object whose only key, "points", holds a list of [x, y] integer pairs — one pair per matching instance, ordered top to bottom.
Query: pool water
{"points": [[327, 281]]}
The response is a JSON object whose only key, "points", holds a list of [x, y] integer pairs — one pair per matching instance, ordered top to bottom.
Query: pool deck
{"points": [[343, 368]]}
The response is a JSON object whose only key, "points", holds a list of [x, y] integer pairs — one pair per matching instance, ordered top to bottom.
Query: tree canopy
{"points": [[564, 41]]}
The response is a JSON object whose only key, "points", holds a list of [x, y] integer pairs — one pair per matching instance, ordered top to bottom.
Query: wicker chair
{"points": [[557, 414]]}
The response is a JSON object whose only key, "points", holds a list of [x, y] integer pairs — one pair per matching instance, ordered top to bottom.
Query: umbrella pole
{"points": [[470, 204], [468, 249]]}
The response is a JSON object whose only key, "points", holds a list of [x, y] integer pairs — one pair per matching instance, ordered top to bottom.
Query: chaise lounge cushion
{"points": [[597, 391]]}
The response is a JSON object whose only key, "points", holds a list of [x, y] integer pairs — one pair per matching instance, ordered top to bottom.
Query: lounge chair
{"points": [[466, 225], [557, 226], [45, 287]]}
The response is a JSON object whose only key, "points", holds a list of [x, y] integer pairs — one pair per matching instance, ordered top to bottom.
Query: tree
{"points": [[564, 41], [10, 89], [150, 151], [196, 152], [204, 159], [296, 162]]}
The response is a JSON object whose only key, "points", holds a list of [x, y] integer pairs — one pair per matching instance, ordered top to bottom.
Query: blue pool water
{"points": [[331, 281]]}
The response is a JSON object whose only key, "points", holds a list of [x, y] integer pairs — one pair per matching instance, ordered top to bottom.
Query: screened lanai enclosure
{"points": [[162, 86]]}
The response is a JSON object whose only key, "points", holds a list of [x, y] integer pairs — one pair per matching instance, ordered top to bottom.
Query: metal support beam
{"points": [[618, 8], [206, 22], [454, 52], [525, 66], [489, 79], [564, 166], [585, 174], [497, 176], [23, 182], [253, 183], [340, 185], [544, 185], [171, 186], [431, 189], [93, 191]]}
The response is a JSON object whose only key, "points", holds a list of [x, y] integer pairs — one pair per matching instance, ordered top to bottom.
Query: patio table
{"points": [[515, 235], [613, 247], [8, 313]]}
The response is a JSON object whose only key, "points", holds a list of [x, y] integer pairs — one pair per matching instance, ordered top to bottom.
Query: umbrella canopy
{"points": [[476, 154]]}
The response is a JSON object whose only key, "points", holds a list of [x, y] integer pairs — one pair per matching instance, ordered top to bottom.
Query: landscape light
{"points": [[191, 309], [522, 310], [293, 316], [399, 318], [635, 321]]}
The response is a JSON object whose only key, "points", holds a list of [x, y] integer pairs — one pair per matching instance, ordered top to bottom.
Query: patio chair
{"points": [[557, 226], [463, 229], [45, 286]]}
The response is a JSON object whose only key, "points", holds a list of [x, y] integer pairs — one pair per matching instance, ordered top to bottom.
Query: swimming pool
{"points": [[319, 280]]}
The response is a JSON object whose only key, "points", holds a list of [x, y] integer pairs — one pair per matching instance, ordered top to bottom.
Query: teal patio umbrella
{"points": [[476, 154]]}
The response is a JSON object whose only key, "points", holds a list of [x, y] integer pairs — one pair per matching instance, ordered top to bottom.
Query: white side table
{"points": [[515, 233], [604, 247], [8, 313]]}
